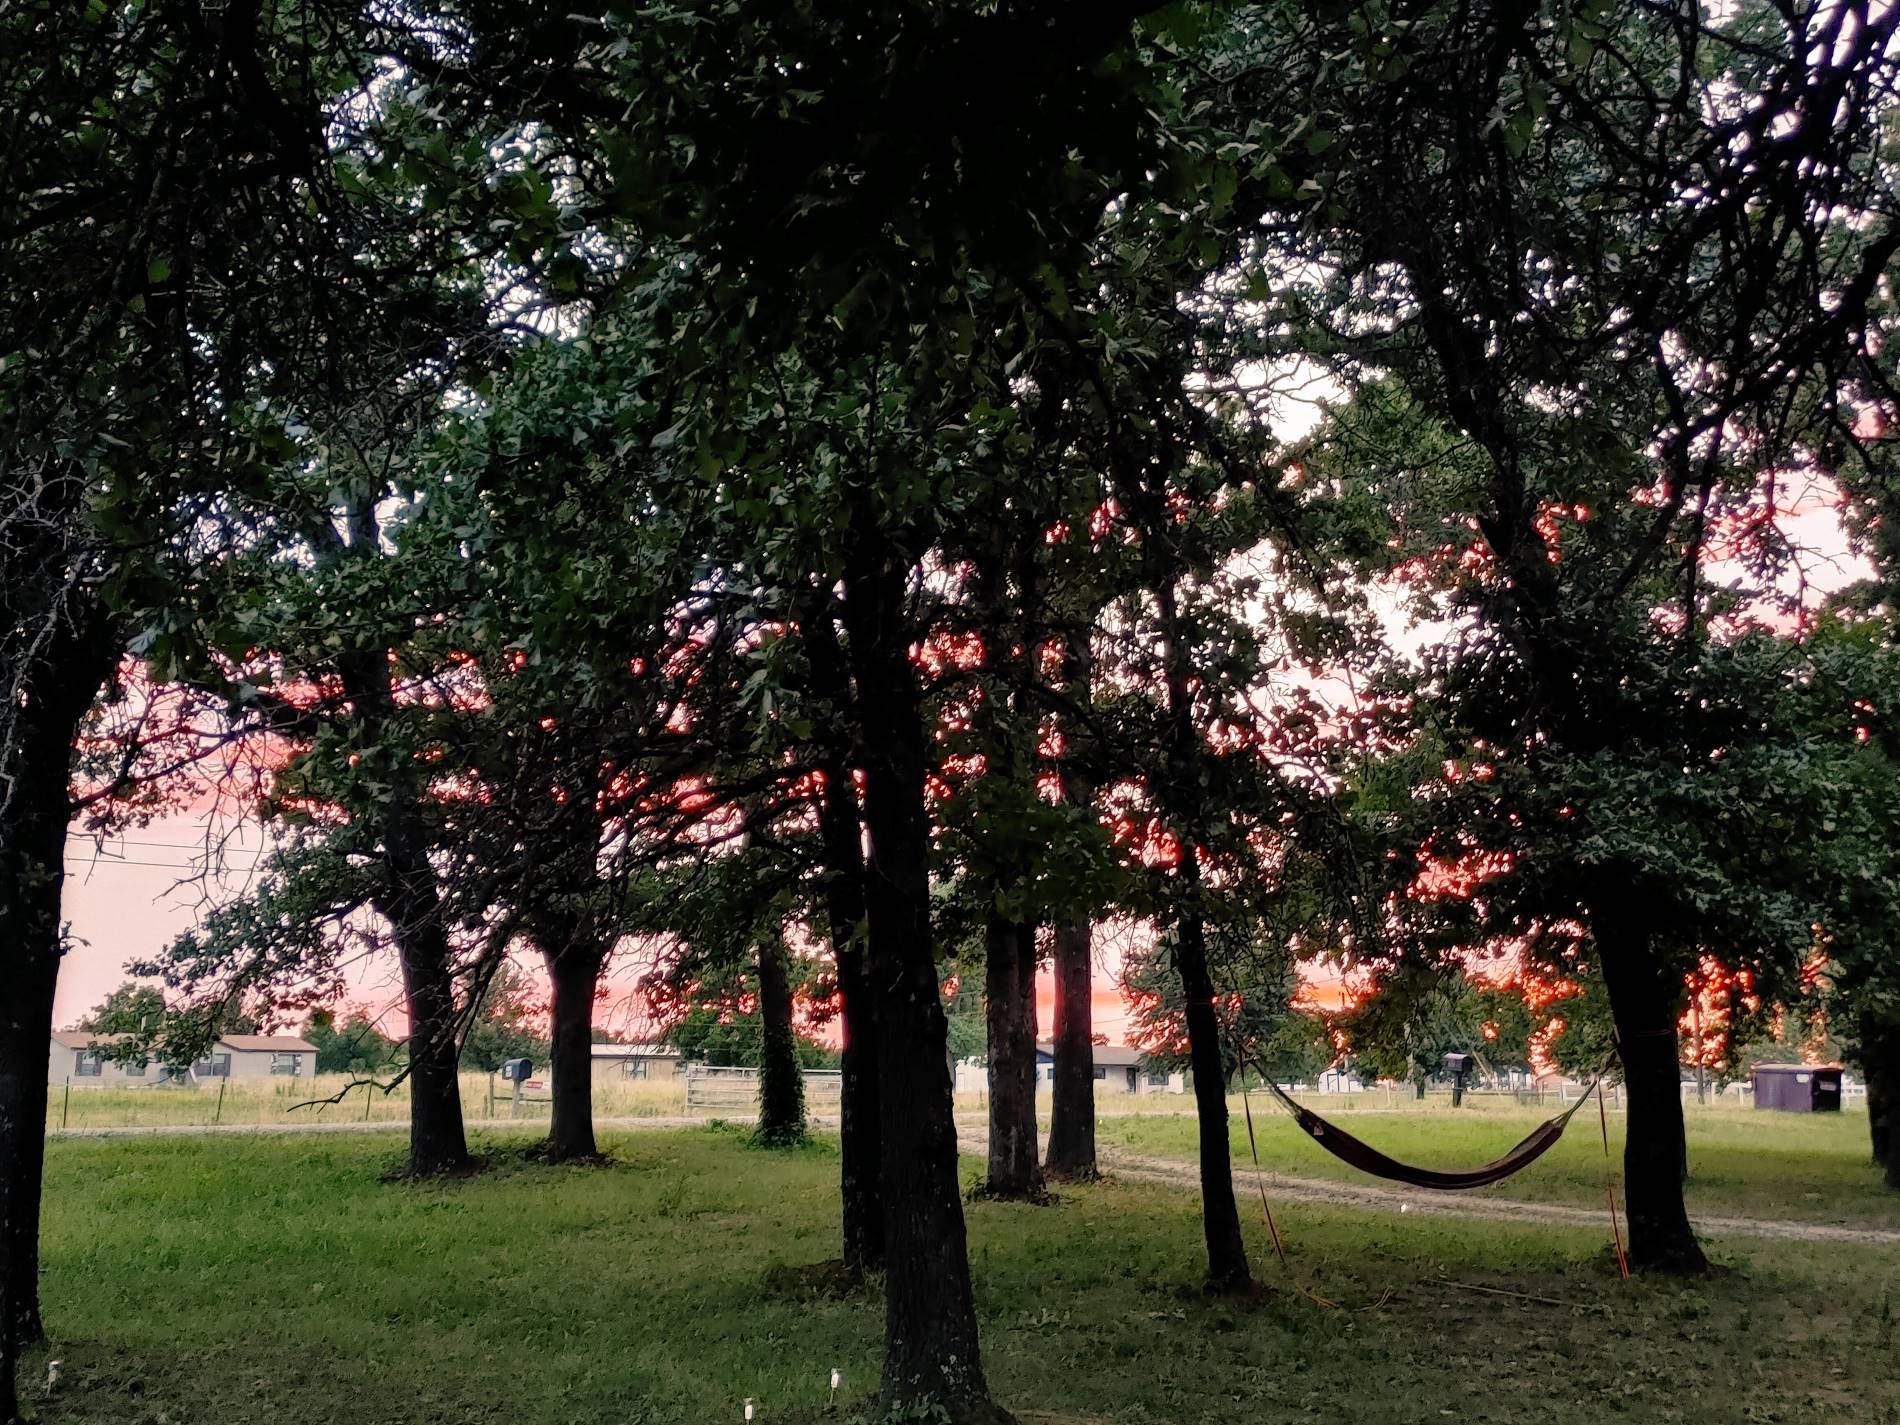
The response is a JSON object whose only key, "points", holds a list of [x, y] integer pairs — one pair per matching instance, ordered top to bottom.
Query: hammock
{"points": [[1368, 1159]]}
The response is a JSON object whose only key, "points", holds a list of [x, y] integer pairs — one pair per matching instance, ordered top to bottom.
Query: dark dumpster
{"points": [[1797, 1088]]}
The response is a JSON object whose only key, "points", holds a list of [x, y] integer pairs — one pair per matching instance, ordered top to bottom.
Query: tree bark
{"points": [[38, 766], [842, 835], [411, 902], [574, 971], [1009, 986], [1880, 1064], [781, 1081], [437, 1141], [1655, 1152], [1071, 1153], [862, 1206], [1227, 1267], [932, 1358]]}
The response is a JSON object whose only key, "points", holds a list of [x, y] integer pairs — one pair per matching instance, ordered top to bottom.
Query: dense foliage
{"points": [[827, 502]]}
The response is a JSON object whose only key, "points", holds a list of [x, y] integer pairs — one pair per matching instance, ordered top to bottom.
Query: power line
{"points": [[134, 841], [164, 865]]}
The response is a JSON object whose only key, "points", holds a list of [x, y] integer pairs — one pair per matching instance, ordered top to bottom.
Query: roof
{"points": [[85, 1039], [267, 1044], [647, 1049], [1108, 1056], [1794, 1068]]}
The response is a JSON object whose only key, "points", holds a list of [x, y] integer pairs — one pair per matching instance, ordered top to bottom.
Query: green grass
{"points": [[295, 1102], [1742, 1163], [256, 1281]]}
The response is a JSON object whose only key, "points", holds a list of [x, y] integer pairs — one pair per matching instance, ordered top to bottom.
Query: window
{"points": [[88, 1064], [291, 1064], [218, 1066], [134, 1068], [634, 1068], [1101, 1071], [1158, 1078]]}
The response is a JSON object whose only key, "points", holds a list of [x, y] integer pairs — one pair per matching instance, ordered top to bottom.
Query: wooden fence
{"points": [[714, 1089]]}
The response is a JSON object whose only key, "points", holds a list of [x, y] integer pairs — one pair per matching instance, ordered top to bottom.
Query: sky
{"points": [[122, 906]]}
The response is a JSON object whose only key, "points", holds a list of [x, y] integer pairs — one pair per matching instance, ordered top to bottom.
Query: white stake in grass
{"points": [[834, 1385], [748, 1408]]}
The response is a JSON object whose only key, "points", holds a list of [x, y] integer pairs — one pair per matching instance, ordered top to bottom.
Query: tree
{"points": [[170, 238], [1592, 368], [132, 1008], [506, 1023], [355, 1047]]}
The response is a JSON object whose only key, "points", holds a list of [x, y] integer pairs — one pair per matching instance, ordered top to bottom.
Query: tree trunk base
{"points": [[791, 1135], [411, 1171], [1081, 1175], [1037, 1195], [1682, 1260], [1235, 1286]]}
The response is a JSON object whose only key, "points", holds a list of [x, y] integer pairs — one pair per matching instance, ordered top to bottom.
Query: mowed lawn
{"points": [[1742, 1163], [277, 1280]]}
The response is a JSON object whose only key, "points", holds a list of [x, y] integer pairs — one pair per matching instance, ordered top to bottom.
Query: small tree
{"points": [[132, 1008], [506, 1023]]}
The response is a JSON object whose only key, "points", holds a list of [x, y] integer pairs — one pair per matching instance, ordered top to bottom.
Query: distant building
{"points": [[82, 1058], [644, 1059], [1119, 1069]]}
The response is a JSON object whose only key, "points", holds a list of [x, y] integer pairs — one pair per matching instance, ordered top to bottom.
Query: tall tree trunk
{"points": [[44, 724], [412, 903], [574, 971], [1009, 986], [1880, 1064], [781, 1081], [1072, 1117], [437, 1141], [1655, 1151], [859, 1153], [860, 1170], [1227, 1267], [932, 1358]]}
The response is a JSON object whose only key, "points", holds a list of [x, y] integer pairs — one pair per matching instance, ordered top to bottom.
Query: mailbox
{"points": [[1457, 1065], [515, 1070]]}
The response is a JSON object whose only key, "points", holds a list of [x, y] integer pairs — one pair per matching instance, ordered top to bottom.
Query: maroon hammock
{"points": [[1368, 1159]]}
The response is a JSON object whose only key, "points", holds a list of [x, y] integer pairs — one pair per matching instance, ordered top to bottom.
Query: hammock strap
{"points": [[1253, 1147], [1609, 1190]]}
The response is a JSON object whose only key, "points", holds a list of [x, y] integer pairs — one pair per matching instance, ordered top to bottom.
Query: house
{"points": [[259, 1056], [82, 1058], [641, 1059], [1119, 1069]]}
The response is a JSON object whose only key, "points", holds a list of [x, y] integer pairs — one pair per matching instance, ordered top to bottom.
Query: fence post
{"points": [[491, 1094], [367, 1100], [66, 1108], [217, 1115]]}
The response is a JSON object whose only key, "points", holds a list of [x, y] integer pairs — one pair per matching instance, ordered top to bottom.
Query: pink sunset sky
{"points": [[131, 898]]}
